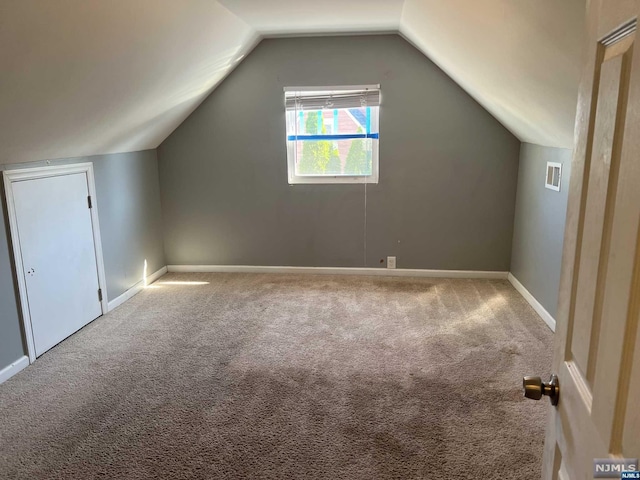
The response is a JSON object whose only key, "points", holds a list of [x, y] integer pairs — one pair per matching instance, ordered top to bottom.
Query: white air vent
{"points": [[554, 175]]}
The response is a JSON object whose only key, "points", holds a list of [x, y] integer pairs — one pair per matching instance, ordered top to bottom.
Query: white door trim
{"points": [[12, 176]]}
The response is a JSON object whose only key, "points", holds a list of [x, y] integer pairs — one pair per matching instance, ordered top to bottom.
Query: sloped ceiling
{"points": [[277, 17], [520, 59], [84, 77]]}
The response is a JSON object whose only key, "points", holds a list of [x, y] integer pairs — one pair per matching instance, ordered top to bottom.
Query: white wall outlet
{"points": [[391, 262]]}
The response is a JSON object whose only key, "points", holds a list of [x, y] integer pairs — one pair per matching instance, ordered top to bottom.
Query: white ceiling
{"points": [[313, 16], [520, 59], [84, 77]]}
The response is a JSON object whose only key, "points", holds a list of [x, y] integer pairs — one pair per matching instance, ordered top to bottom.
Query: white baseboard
{"points": [[385, 272], [133, 291], [537, 306], [10, 370]]}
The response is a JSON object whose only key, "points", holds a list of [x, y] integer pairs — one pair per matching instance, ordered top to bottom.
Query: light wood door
{"points": [[58, 256], [597, 345]]}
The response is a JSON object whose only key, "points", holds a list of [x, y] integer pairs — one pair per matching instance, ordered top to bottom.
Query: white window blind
{"points": [[336, 97]]}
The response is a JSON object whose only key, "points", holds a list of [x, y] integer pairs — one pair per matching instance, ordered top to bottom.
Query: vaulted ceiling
{"points": [[84, 77]]}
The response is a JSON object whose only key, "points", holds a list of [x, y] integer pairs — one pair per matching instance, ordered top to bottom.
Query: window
{"points": [[332, 134]]}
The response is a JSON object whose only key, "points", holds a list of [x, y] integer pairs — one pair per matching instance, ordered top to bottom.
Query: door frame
{"points": [[19, 175]]}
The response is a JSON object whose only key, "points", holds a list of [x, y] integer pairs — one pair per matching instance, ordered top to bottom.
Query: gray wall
{"points": [[448, 169], [128, 192], [128, 199], [539, 224], [11, 345]]}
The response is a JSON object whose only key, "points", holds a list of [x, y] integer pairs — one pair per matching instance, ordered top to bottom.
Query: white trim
{"points": [[330, 33], [46, 171], [11, 176], [97, 240], [383, 272], [137, 288], [537, 306], [10, 370], [562, 473]]}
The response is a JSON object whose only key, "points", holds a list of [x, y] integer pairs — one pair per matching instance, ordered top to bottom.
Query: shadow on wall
{"points": [[540, 213], [13, 340]]}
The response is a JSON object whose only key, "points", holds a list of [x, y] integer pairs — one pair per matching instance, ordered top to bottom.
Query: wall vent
{"points": [[554, 176]]}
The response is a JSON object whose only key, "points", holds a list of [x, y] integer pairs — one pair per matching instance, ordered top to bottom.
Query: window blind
{"points": [[347, 97]]}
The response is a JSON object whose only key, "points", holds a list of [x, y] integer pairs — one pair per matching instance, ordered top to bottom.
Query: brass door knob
{"points": [[535, 388]]}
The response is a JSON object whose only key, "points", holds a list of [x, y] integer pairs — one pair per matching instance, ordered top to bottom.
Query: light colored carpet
{"points": [[287, 376]]}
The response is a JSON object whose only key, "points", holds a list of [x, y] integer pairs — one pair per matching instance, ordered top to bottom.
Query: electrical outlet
{"points": [[391, 262]]}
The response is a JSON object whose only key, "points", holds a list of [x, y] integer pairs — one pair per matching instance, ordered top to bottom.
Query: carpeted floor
{"points": [[244, 376]]}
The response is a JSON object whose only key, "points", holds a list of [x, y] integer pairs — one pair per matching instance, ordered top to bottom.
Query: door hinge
{"points": [[89, 201], [99, 294]]}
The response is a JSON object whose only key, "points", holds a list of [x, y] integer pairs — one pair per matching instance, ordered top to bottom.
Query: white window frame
{"points": [[335, 179]]}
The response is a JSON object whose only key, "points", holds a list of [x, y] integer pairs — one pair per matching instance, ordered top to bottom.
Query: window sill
{"points": [[332, 180]]}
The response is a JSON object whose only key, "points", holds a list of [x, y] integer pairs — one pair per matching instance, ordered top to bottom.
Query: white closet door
{"points": [[58, 256]]}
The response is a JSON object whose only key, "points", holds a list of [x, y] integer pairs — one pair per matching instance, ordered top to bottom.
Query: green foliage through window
{"points": [[332, 150], [318, 156], [358, 162]]}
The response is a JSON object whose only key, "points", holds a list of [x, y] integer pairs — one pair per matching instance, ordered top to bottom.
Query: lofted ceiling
{"points": [[278, 17], [520, 59], [85, 77]]}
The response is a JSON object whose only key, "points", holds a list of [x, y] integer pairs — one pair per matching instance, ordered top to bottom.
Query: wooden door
{"points": [[597, 345]]}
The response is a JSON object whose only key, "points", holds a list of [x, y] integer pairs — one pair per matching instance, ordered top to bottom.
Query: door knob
{"points": [[535, 388]]}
